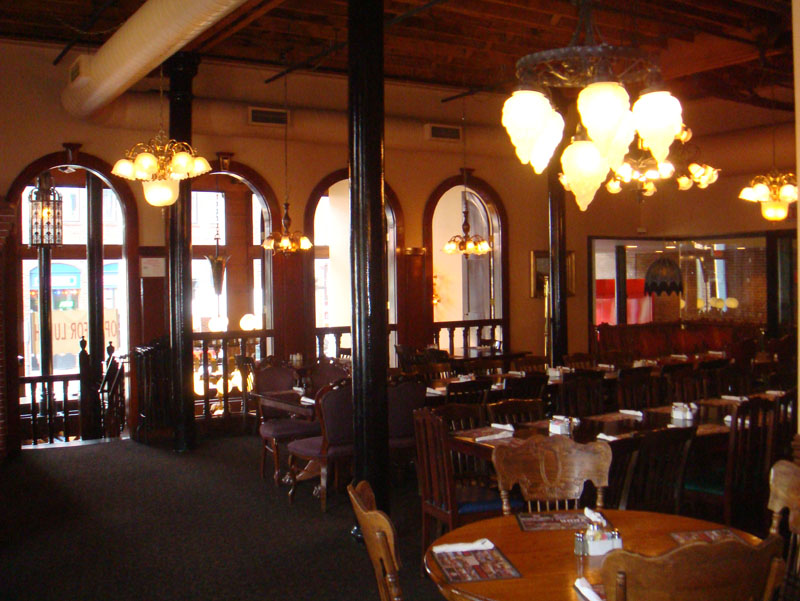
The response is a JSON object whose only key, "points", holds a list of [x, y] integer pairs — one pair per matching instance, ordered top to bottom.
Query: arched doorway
{"points": [[99, 211], [327, 219], [469, 295]]}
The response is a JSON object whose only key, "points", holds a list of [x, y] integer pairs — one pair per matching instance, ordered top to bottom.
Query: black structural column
{"points": [[181, 68], [368, 245], [94, 265], [558, 265], [621, 284], [773, 300]]}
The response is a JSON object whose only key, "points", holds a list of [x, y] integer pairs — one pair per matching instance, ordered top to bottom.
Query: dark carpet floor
{"points": [[124, 521]]}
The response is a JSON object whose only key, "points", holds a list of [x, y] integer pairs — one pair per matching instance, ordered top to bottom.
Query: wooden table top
{"points": [[285, 400], [611, 424], [545, 559]]}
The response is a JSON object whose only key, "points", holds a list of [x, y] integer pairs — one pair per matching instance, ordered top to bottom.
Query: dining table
{"points": [[479, 442], [543, 563]]}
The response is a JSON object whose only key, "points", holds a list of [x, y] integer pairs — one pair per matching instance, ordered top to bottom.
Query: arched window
{"points": [[85, 187], [236, 207], [329, 213], [468, 293]]}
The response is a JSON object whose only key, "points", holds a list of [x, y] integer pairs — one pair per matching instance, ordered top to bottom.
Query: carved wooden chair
{"points": [[580, 361], [531, 363], [431, 372], [530, 386], [636, 388], [468, 391], [581, 393], [403, 398], [334, 411], [515, 411], [464, 416], [785, 425], [551, 471], [657, 481], [740, 486], [784, 493], [380, 539], [731, 570]]}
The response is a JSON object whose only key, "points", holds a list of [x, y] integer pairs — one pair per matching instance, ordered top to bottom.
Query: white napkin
{"points": [[716, 353], [681, 357], [605, 366], [516, 373], [466, 378], [497, 386], [298, 389], [433, 391], [775, 392], [730, 397], [304, 400], [632, 412], [728, 419], [503, 426], [497, 436], [606, 437], [595, 516], [482, 544], [585, 589]]}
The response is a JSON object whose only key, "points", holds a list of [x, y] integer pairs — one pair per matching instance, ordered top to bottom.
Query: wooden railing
{"points": [[338, 331], [475, 332], [214, 358], [47, 413]]}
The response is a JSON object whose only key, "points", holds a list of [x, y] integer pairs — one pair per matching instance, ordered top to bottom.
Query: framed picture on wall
{"points": [[540, 272]]}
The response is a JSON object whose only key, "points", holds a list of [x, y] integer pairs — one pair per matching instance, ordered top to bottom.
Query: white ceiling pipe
{"points": [[153, 33]]}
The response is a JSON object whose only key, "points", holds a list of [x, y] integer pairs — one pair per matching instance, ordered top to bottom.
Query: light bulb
{"points": [[604, 106], [534, 127], [146, 162], [182, 162], [200, 166], [124, 168], [666, 170], [684, 182], [614, 186], [160, 192], [761, 192], [788, 193], [774, 210], [305, 243], [249, 322]]}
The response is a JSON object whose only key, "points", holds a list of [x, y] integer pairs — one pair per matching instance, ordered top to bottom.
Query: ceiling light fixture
{"points": [[602, 71], [161, 163], [775, 190], [286, 241], [465, 243]]}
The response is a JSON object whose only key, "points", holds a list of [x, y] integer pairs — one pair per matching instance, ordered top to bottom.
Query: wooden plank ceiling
{"points": [[734, 49]]}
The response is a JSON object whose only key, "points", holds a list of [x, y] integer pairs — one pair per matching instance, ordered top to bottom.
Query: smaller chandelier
{"points": [[160, 164], [774, 191], [46, 214], [286, 241], [465, 243]]}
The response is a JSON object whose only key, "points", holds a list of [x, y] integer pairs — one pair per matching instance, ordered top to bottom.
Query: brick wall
{"points": [[6, 221]]}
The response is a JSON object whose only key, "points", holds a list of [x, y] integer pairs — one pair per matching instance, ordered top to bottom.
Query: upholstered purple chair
{"points": [[325, 371], [334, 411], [277, 427]]}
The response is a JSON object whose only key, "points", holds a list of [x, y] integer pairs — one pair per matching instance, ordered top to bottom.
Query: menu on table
{"points": [[531, 522], [708, 536], [475, 565]]}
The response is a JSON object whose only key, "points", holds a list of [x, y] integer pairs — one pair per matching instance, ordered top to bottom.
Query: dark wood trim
{"points": [[496, 209], [130, 251], [621, 273], [10, 297], [773, 330]]}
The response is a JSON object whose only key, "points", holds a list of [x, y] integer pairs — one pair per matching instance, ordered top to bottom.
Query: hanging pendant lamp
{"points": [[663, 277]]}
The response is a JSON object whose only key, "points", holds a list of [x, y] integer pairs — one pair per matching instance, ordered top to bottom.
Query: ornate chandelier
{"points": [[609, 121], [161, 163], [642, 171], [775, 191], [46, 215], [286, 241], [465, 243]]}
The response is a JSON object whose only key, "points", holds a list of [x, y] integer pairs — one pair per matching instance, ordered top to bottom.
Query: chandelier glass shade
{"points": [[602, 72], [160, 164], [584, 170], [774, 192], [46, 214], [286, 241], [466, 243], [663, 276]]}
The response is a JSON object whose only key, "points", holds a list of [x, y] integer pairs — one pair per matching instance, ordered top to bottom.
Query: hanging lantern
{"points": [[604, 107], [46, 223], [663, 276]]}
